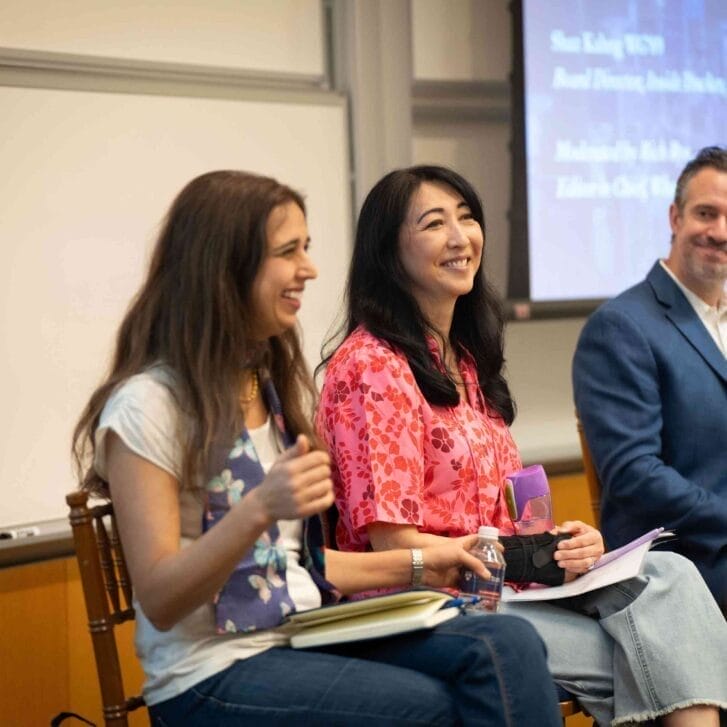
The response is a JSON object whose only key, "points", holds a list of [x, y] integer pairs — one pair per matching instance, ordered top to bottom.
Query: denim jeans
{"points": [[638, 649], [471, 670]]}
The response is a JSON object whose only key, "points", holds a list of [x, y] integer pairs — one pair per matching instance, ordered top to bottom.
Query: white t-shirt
{"points": [[145, 415]]}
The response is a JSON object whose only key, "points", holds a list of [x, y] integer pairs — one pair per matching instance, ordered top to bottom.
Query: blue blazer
{"points": [[650, 387]]}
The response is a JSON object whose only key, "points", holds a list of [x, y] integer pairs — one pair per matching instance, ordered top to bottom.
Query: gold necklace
{"points": [[254, 388]]}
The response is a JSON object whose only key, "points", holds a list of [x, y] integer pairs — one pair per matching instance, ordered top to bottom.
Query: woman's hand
{"points": [[298, 484], [578, 554], [442, 563], [169, 581]]}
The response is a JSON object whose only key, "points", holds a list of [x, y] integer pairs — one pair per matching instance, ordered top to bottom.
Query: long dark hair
{"points": [[378, 295], [193, 313]]}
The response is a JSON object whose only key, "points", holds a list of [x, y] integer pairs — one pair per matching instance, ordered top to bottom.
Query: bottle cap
{"points": [[487, 531]]}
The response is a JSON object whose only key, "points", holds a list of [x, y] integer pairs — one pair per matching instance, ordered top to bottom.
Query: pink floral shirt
{"points": [[397, 459]]}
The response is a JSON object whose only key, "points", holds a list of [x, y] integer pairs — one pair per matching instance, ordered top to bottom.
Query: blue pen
{"points": [[461, 602]]}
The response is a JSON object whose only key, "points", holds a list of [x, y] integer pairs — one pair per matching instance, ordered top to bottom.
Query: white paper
{"points": [[625, 566]]}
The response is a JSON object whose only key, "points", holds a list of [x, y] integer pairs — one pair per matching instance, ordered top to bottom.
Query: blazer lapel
{"points": [[680, 312]]}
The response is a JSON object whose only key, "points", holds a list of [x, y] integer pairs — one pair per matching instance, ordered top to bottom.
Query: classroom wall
{"points": [[461, 40]]}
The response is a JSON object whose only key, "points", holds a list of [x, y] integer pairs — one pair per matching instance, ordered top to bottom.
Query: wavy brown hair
{"points": [[193, 313]]}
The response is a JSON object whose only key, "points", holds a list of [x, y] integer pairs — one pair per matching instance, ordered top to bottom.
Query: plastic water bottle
{"points": [[489, 590]]}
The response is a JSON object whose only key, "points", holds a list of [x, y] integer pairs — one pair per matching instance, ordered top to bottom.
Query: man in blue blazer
{"points": [[650, 384]]}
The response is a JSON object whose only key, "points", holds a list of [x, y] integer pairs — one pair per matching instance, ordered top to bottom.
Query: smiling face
{"points": [[440, 248], [698, 255], [278, 286]]}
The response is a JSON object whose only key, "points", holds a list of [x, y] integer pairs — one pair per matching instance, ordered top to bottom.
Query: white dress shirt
{"points": [[713, 317]]}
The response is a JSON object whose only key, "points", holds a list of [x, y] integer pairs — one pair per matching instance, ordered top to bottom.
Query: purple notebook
{"points": [[613, 554]]}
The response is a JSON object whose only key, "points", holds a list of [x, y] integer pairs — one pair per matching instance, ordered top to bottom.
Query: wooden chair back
{"points": [[594, 484], [107, 594]]}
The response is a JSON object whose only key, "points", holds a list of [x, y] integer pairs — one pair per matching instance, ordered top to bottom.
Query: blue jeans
{"points": [[639, 649], [471, 670]]}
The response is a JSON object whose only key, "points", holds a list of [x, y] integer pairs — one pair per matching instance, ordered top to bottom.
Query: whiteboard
{"points": [[86, 179]]}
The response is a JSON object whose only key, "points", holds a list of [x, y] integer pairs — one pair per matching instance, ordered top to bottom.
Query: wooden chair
{"points": [[594, 484], [106, 582], [107, 593], [569, 707]]}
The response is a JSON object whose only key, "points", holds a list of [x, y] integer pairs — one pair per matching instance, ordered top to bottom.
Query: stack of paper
{"points": [[612, 567]]}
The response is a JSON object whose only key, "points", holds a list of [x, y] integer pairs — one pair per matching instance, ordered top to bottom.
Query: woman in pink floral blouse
{"points": [[415, 413]]}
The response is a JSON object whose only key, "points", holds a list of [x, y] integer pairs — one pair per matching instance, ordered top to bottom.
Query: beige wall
{"points": [[256, 35], [461, 40]]}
